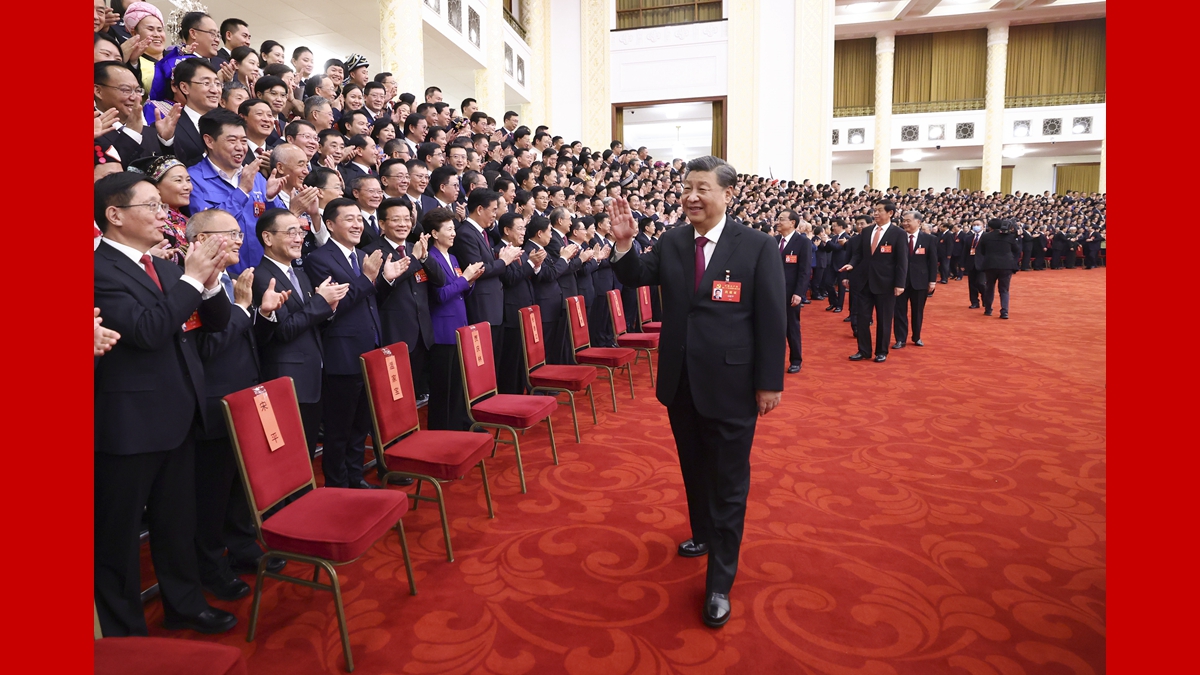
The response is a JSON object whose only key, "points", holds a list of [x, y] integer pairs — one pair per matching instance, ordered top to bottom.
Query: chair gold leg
{"points": [[650, 364], [629, 370], [612, 386], [592, 398], [574, 416], [553, 447], [520, 465], [487, 491], [417, 502], [445, 523], [316, 574], [412, 585], [258, 589], [341, 615]]}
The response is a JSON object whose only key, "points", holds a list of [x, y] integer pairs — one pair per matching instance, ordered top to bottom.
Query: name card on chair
{"points": [[579, 313], [533, 329], [478, 347], [393, 374], [266, 416]]}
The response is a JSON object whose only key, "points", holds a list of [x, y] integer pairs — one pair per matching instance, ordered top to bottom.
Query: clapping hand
{"points": [[132, 48], [105, 121], [165, 124], [249, 171], [275, 181], [306, 200], [421, 248], [569, 251], [510, 253], [537, 257], [205, 262], [372, 265], [394, 268], [473, 271], [243, 288], [332, 292], [271, 299], [103, 338]]}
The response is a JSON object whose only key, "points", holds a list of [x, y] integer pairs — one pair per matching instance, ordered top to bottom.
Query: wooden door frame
{"points": [[617, 108]]}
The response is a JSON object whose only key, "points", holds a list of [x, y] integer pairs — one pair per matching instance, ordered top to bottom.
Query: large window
{"points": [[645, 13]]}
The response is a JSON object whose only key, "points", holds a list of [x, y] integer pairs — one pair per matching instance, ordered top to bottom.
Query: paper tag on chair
{"points": [[644, 293], [618, 308], [579, 313], [533, 329], [478, 347], [393, 374], [266, 416]]}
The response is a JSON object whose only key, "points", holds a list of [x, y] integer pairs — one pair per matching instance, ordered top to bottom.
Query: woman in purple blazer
{"points": [[448, 312]]}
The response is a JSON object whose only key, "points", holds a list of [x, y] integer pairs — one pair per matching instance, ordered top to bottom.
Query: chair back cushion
{"points": [[645, 309], [616, 311], [577, 319], [533, 337], [475, 355], [395, 409], [271, 474]]}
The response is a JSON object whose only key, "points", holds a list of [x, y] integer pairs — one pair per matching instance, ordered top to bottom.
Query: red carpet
{"points": [[943, 512]]}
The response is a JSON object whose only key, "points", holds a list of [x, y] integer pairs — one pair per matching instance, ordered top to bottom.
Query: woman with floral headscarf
{"points": [[144, 20], [174, 185]]}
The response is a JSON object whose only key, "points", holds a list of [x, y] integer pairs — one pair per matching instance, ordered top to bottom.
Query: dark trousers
{"points": [[1026, 257], [1091, 258], [1056, 259], [1072, 259], [1039, 260], [956, 263], [944, 268], [1004, 277], [820, 282], [975, 282], [837, 292], [915, 298], [629, 301], [655, 305], [883, 305], [599, 322], [556, 341], [497, 343], [795, 351], [418, 360], [510, 370], [447, 408], [310, 417], [347, 421], [714, 457], [163, 486], [223, 519]]}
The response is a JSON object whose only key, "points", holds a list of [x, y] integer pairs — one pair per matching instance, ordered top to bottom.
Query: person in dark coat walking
{"points": [[997, 254]]}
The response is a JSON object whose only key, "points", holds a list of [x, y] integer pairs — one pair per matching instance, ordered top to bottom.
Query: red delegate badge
{"points": [[727, 291]]}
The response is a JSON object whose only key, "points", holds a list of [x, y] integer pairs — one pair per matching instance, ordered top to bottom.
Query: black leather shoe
{"points": [[943, 282], [805, 301], [976, 306], [830, 308], [837, 310], [987, 312], [1003, 315], [847, 319], [918, 343], [898, 345], [859, 356], [880, 358], [795, 367], [402, 480], [364, 485], [690, 549], [275, 565], [229, 589], [716, 610], [210, 621]]}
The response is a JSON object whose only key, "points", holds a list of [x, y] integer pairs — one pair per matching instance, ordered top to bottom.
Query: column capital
{"points": [[997, 33], [885, 41]]}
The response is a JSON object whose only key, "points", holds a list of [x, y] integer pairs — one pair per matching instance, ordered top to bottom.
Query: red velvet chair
{"points": [[646, 311], [639, 342], [611, 359], [556, 378], [488, 408], [428, 456], [323, 527], [155, 656]]}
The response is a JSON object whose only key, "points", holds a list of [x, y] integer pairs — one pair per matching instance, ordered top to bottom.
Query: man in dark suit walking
{"points": [[795, 249], [956, 251], [882, 254], [946, 254], [997, 256], [972, 264], [922, 279], [354, 330], [293, 348], [720, 357], [149, 395]]}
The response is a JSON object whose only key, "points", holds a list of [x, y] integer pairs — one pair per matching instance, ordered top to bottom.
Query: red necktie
{"points": [[875, 238], [701, 242], [781, 243], [912, 243], [148, 263]]}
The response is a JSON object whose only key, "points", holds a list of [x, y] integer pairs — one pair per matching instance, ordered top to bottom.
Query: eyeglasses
{"points": [[210, 32], [208, 84], [125, 89], [371, 192], [154, 207], [291, 232], [236, 235]]}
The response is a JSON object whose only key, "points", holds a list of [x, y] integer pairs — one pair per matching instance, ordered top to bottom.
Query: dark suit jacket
{"points": [[189, 145], [129, 149], [349, 172], [960, 239], [946, 244], [998, 251], [839, 254], [923, 263], [972, 263], [884, 270], [796, 275], [566, 278], [604, 280], [518, 288], [546, 290], [486, 300], [405, 312], [355, 327], [293, 348], [730, 349], [231, 363], [148, 387]]}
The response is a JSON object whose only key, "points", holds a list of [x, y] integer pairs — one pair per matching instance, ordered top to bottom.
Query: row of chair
{"points": [[326, 527]]}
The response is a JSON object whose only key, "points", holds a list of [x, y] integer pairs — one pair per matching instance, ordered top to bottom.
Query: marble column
{"points": [[535, 16], [402, 45], [594, 47], [744, 76], [489, 82], [993, 126], [812, 153], [881, 164]]}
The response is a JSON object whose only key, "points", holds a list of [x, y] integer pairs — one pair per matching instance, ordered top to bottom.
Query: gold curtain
{"points": [[708, 11], [662, 13], [1056, 58], [959, 66], [913, 68], [854, 73], [619, 125], [718, 129], [901, 178], [1076, 178], [972, 179]]}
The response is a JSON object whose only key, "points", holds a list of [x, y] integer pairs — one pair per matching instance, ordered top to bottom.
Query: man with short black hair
{"points": [[234, 33], [198, 87], [433, 95], [368, 195], [795, 250], [881, 253], [920, 282]]}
